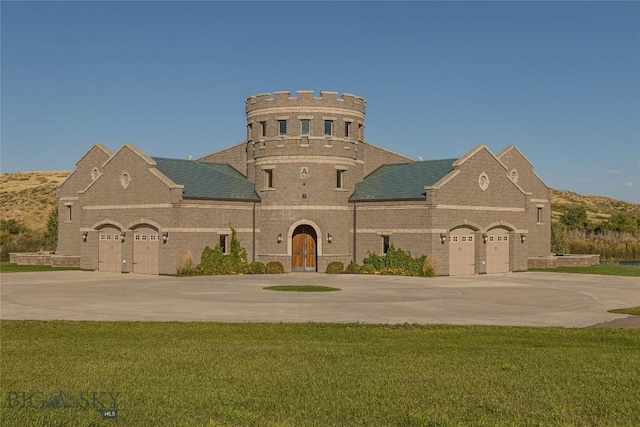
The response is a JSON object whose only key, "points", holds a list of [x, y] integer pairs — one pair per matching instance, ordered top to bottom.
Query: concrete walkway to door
{"points": [[529, 299]]}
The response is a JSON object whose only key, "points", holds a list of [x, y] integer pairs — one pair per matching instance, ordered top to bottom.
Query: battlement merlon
{"points": [[305, 98]]}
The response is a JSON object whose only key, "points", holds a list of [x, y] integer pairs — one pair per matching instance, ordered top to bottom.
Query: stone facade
{"points": [[319, 193]]}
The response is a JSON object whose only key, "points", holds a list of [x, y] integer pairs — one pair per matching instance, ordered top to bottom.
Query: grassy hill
{"points": [[29, 197]]}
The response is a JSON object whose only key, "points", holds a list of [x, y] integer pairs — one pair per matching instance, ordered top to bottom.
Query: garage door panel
{"points": [[109, 250], [146, 251], [498, 252], [462, 253]]}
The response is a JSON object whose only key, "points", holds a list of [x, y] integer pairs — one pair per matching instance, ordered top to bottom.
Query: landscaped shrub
{"points": [[374, 260], [212, 261], [215, 261], [399, 262], [185, 265], [429, 266], [257, 267], [274, 267], [335, 267], [352, 268], [367, 269]]}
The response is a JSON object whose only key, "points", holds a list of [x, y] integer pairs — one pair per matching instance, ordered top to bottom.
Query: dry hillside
{"points": [[29, 197]]}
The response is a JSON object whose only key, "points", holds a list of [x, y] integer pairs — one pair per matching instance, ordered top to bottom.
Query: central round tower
{"points": [[302, 155]]}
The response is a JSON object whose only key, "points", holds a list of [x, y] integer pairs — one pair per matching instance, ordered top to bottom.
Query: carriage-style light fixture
{"points": [[84, 236], [122, 236], [165, 237], [485, 237], [523, 237], [280, 238], [329, 238], [443, 238]]}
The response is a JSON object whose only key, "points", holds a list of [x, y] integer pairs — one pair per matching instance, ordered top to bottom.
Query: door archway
{"points": [[304, 253]]}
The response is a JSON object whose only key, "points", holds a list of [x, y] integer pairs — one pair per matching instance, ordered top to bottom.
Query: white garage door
{"points": [[109, 250], [146, 251], [498, 251], [462, 252]]}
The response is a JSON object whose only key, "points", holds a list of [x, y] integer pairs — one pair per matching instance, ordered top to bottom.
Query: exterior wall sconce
{"points": [[84, 236], [122, 236], [165, 237], [485, 237], [279, 238], [329, 238], [443, 238], [523, 238]]}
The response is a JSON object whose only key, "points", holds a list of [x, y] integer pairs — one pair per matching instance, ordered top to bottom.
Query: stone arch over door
{"points": [[315, 228], [109, 247], [146, 249], [304, 249], [462, 250], [498, 250]]}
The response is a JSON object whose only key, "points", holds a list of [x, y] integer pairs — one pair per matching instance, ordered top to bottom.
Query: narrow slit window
{"points": [[282, 127], [304, 127], [328, 127], [263, 128], [347, 129], [268, 178], [339, 178], [539, 215], [224, 243], [385, 244]]}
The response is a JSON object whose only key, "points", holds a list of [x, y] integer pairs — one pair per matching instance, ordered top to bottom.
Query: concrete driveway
{"points": [[527, 299]]}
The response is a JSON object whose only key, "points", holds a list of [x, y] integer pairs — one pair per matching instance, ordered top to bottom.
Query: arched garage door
{"points": [[109, 250], [146, 251], [498, 251], [462, 252]]}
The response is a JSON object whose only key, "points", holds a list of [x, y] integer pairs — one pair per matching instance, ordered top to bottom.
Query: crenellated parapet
{"points": [[305, 98]]}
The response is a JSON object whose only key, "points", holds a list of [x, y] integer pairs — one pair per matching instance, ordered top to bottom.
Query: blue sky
{"points": [[560, 80]]}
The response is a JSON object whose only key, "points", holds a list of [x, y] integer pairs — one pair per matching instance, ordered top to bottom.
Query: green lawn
{"points": [[7, 267], [607, 269], [301, 288], [635, 311], [212, 374]]}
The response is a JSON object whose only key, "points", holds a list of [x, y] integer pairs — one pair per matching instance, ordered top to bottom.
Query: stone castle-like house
{"points": [[304, 189]]}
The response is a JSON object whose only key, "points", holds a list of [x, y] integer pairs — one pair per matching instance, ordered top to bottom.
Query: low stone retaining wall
{"points": [[44, 258], [565, 260]]}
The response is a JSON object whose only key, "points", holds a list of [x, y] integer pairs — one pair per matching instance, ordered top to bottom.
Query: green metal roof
{"points": [[207, 180], [403, 181]]}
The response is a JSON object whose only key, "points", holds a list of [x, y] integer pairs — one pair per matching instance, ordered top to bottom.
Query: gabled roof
{"points": [[205, 180], [403, 181]]}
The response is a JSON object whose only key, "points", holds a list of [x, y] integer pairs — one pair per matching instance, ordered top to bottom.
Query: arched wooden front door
{"points": [[304, 249]]}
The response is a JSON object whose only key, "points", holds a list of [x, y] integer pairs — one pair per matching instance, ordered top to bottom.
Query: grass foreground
{"points": [[8, 267], [606, 269], [634, 311], [62, 373]]}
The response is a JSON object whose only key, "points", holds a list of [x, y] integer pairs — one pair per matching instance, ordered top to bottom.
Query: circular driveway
{"points": [[526, 299]]}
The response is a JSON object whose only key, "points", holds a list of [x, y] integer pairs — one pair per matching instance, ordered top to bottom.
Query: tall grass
{"points": [[611, 245]]}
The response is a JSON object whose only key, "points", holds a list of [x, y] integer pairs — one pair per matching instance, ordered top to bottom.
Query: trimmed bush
{"points": [[215, 261], [399, 262], [257, 267], [274, 267], [335, 267], [352, 268], [367, 269]]}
